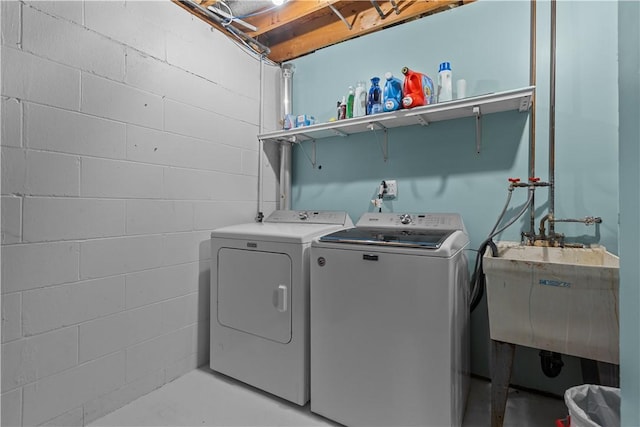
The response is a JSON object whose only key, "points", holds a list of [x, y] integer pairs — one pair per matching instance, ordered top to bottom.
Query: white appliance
{"points": [[260, 300], [389, 321]]}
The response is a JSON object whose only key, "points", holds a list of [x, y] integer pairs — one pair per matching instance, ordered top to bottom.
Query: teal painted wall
{"points": [[629, 41], [437, 167]]}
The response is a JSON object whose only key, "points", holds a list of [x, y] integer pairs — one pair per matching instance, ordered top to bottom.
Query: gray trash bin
{"points": [[593, 406]]}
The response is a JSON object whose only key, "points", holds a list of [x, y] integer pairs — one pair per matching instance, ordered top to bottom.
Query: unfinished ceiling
{"points": [[299, 27]]}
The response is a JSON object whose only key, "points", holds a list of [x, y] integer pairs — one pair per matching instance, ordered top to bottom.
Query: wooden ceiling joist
{"points": [[206, 3], [292, 11]]}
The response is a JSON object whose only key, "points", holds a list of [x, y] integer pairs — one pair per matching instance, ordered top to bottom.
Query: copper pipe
{"points": [[532, 119], [552, 119]]}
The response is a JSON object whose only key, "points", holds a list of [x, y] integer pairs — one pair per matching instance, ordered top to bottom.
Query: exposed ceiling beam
{"points": [[328, 30]]}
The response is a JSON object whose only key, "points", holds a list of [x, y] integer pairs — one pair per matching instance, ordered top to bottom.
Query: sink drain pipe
{"points": [[551, 363]]}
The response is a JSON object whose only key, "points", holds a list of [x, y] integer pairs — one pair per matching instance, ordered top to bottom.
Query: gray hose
{"points": [[478, 278]]}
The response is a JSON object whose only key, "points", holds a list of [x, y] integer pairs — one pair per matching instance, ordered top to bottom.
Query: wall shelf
{"points": [[477, 106]]}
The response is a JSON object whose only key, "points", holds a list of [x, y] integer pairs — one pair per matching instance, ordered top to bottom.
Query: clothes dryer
{"points": [[260, 300], [389, 321]]}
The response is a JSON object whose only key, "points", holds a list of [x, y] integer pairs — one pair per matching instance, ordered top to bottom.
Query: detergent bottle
{"points": [[445, 86], [417, 89], [392, 93], [360, 100], [374, 105]]}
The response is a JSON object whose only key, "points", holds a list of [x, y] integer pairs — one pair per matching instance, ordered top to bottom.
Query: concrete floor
{"points": [[205, 398]]}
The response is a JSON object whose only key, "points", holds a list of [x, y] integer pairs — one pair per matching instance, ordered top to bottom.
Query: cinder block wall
{"points": [[128, 134]]}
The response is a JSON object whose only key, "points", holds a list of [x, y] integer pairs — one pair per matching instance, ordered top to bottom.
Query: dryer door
{"points": [[254, 293]]}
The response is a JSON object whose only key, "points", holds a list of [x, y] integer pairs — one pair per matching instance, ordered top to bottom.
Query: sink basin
{"points": [[557, 299]]}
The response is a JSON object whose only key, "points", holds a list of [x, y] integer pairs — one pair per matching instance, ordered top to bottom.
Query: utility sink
{"points": [[558, 299]]}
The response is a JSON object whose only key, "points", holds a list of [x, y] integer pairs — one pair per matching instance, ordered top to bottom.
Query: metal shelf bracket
{"points": [[478, 114], [422, 119], [339, 132], [385, 143], [312, 158]]}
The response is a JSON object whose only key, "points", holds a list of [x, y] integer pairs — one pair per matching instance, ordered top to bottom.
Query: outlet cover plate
{"points": [[392, 188]]}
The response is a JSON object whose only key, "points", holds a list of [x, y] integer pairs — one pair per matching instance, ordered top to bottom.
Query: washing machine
{"points": [[260, 300], [390, 321]]}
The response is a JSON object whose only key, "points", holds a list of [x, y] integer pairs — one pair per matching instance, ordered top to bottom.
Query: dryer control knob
{"points": [[303, 216], [405, 218]]}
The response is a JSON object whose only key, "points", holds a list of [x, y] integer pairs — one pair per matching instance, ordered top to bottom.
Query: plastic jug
{"points": [[417, 89], [392, 93], [360, 100], [374, 105]]}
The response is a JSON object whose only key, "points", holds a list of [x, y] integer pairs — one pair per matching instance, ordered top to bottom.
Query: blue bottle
{"points": [[392, 93], [374, 104]]}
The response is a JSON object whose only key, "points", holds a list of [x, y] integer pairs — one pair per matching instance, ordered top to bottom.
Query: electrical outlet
{"points": [[392, 188]]}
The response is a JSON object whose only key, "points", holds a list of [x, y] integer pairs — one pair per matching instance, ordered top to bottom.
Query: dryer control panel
{"points": [[310, 217], [417, 221]]}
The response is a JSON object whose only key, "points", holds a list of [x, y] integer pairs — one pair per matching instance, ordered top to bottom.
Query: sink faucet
{"points": [[547, 217]]}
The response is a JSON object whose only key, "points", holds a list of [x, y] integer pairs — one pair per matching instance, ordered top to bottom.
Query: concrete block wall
{"points": [[128, 134]]}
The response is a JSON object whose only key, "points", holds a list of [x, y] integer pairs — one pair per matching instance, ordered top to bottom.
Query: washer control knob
{"points": [[303, 216], [405, 219]]}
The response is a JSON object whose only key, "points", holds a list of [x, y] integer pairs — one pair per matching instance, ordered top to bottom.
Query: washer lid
{"points": [[425, 239]]}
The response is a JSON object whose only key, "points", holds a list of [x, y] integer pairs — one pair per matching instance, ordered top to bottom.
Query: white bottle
{"points": [[445, 88], [360, 100]]}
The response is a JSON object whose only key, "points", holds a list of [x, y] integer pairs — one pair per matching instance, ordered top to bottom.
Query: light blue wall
{"points": [[629, 40], [437, 168]]}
